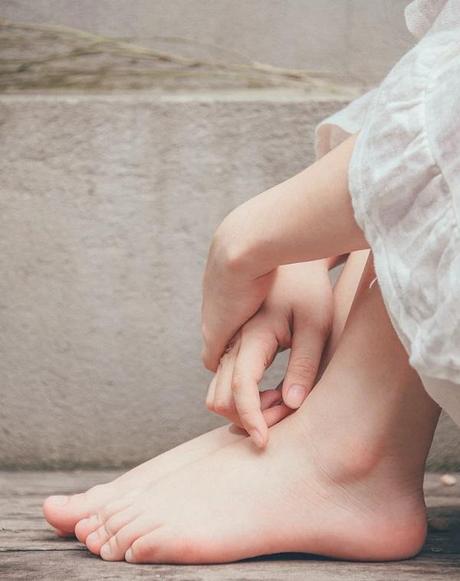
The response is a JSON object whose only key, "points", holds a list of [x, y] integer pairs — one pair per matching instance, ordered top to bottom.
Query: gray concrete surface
{"points": [[355, 38], [108, 203], [106, 210], [30, 551]]}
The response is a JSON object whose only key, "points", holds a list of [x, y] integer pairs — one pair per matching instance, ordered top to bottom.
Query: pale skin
{"points": [[306, 218], [342, 476], [65, 512]]}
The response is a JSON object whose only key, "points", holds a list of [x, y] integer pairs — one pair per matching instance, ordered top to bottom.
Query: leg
{"points": [[344, 294], [341, 477]]}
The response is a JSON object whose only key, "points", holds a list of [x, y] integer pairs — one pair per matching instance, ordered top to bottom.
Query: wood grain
{"points": [[30, 550]]}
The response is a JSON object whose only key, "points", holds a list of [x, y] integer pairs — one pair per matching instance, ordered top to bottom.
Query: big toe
{"points": [[58, 510], [63, 512]]}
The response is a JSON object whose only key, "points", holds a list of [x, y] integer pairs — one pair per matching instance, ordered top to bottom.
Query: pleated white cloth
{"points": [[404, 179]]}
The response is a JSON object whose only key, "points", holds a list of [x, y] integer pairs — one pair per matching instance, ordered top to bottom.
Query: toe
{"points": [[63, 512], [57, 513], [87, 526], [108, 529], [64, 534], [96, 539], [167, 545], [116, 547], [145, 549]]}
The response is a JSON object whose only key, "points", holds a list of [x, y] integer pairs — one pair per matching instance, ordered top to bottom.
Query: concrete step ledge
{"points": [[108, 204]]}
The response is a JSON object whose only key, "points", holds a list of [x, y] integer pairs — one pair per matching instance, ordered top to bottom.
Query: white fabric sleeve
{"points": [[337, 127], [404, 179]]}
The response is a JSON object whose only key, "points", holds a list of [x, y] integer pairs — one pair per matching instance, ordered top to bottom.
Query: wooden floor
{"points": [[29, 550]]}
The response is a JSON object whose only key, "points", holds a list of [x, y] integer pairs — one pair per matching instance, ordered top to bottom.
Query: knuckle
{"points": [[264, 338], [208, 361], [303, 366], [237, 383], [210, 405], [222, 407], [246, 416]]}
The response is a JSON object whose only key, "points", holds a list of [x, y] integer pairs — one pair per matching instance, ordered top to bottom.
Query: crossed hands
{"points": [[266, 288], [290, 309]]}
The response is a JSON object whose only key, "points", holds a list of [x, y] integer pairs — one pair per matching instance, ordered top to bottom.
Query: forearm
{"points": [[307, 217]]}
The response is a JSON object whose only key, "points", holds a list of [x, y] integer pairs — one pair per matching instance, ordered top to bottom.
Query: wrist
{"points": [[238, 248]]}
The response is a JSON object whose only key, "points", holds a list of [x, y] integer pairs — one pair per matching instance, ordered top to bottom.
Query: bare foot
{"points": [[342, 477], [79, 506], [63, 512]]}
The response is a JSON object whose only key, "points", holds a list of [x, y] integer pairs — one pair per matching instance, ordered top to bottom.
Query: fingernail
{"points": [[295, 395], [257, 438], [58, 500], [129, 555]]}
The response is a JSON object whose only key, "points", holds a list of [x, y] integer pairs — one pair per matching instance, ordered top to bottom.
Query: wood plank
{"points": [[30, 550]]}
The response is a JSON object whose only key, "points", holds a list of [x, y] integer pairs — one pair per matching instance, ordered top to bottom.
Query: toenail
{"points": [[58, 500], [105, 551], [129, 556]]}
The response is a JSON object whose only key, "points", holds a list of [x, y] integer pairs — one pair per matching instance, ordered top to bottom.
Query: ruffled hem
{"points": [[405, 208]]}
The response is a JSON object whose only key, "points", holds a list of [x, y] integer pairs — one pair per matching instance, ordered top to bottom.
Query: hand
{"points": [[307, 217], [230, 295], [296, 314]]}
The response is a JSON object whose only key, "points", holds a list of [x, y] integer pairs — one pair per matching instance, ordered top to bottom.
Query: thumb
{"points": [[306, 349]]}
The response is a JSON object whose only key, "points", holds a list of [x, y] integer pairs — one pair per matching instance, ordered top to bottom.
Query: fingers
{"points": [[229, 301], [306, 350], [256, 353], [234, 391], [211, 393], [270, 397], [223, 403], [275, 414]]}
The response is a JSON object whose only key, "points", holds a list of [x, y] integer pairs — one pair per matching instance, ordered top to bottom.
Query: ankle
{"points": [[350, 452]]}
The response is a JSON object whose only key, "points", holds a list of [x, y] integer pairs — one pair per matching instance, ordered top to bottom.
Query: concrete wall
{"points": [[353, 38], [107, 206], [106, 211]]}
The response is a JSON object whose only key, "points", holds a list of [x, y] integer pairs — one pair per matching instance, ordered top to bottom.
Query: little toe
{"points": [[116, 547], [145, 549]]}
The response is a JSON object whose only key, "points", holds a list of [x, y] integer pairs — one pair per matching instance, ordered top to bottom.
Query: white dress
{"points": [[404, 180]]}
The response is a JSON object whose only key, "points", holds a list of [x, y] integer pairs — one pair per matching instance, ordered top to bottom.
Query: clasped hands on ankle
{"points": [[266, 288]]}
